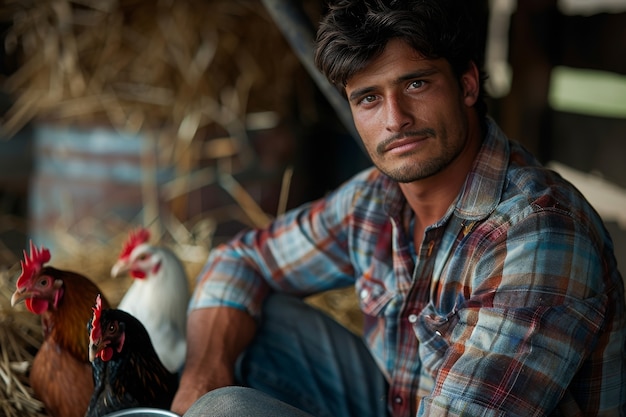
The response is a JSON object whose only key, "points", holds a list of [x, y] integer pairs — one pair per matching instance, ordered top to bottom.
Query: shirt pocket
{"points": [[373, 296], [433, 330]]}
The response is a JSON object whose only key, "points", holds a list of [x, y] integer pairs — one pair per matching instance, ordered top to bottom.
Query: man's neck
{"points": [[430, 198]]}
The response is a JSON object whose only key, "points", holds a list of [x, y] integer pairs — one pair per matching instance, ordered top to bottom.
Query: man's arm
{"points": [[215, 338]]}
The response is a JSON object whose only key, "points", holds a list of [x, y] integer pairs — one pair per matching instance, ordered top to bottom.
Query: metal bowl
{"points": [[143, 412]]}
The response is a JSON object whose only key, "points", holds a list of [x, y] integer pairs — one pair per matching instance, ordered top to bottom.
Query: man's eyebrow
{"points": [[417, 74], [409, 76], [359, 93]]}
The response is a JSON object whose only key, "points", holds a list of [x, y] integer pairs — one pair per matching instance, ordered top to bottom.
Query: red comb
{"points": [[136, 237], [33, 264], [95, 321]]}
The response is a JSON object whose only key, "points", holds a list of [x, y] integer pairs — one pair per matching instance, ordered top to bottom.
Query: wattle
{"points": [[138, 274], [36, 305], [106, 354]]}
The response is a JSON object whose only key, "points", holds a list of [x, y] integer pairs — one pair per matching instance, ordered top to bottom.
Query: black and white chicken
{"points": [[127, 371]]}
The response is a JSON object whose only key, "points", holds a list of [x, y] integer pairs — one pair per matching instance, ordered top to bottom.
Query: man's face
{"points": [[411, 112]]}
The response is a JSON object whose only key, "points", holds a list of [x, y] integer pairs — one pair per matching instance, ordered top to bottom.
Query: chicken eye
{"points": [[143, 256], [43, 282], [112, 327]]}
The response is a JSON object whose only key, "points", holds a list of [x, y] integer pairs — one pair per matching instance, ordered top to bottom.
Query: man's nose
{"points": [[397, 113]]}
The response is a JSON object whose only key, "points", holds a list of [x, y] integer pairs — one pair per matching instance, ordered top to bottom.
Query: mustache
{"points": [[403, 135]]}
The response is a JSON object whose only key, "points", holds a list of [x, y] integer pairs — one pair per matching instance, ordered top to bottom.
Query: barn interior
{"points": [[197, 119]]}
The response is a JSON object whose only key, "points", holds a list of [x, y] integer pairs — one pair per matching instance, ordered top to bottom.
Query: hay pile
{"points": [[145, 65], [193, 76], [20, 337]]}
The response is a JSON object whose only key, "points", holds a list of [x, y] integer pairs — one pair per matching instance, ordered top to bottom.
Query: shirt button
{"points": [[364, 294], [412, 318], [397, 399]]}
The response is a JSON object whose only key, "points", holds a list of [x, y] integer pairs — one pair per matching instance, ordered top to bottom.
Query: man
{"points": [[488, 284]]}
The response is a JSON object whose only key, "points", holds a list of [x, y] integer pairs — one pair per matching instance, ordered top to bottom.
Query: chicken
{"points": [[158, 296], [127, 371], [60, 375]]}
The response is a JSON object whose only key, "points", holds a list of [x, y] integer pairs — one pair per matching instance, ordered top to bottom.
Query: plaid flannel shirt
{"points": [[512, 306]]}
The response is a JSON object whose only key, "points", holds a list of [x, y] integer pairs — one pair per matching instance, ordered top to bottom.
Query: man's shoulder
{"points": [[543, 186], [536, 190]]}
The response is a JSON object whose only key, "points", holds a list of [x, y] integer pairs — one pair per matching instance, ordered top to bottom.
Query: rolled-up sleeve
{"points": [[301, 253]]}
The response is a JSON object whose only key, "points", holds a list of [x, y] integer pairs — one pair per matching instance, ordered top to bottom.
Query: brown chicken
{"points": [[61, 375]]}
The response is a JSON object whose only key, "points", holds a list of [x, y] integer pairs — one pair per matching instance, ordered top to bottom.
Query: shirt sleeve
{"points": [[301, 253], [538, 303]]}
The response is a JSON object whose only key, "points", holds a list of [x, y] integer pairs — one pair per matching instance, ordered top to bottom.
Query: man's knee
{"points": [[235, 401], [216, 403]]}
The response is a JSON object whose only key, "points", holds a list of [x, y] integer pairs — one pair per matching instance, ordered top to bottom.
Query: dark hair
{"points": [[353, 32]]}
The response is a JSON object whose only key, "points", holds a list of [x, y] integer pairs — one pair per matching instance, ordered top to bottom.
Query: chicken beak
{"points": [[120, 267], [19, 295], [94, 349]]}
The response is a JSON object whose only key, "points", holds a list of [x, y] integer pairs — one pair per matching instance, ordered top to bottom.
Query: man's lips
{"points": [[404, 143]]}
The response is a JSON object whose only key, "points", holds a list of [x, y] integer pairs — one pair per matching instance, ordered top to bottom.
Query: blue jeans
{"points": [[301, 363]]}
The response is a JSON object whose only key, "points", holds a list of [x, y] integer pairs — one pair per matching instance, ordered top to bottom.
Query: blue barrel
{"points": [[86, 182]]}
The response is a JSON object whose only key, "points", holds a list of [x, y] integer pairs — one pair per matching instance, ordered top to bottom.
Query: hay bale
{"points": [[141, 64]]}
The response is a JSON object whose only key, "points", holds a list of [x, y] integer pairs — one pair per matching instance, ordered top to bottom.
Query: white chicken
{"points": [[158, 296]]}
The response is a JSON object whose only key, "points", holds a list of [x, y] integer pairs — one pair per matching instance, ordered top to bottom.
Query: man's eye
{"points": [[416, 84], [368, 99]]}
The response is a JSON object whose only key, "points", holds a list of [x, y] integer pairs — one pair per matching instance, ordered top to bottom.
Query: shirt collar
{"points": [[485, 182]]}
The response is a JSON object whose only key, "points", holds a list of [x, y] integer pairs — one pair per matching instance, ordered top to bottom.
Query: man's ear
{"points": [[470, 82]]}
